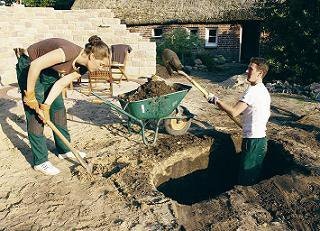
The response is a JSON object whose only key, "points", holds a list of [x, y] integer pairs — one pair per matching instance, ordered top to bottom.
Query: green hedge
{"points": [[57, 4], [292, 41]]}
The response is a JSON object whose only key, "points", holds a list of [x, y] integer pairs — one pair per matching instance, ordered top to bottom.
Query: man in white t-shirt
{"points": [[255, 108]]}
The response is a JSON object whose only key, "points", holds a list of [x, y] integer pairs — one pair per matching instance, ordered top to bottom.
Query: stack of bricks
{"points": [[22, 26]]}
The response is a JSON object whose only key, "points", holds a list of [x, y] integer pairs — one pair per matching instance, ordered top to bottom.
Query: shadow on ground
{"points": [[97, 114], [16, 137]]}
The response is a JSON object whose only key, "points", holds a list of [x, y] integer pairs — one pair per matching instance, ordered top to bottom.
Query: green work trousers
{"points": [[57, 111], [252, 156]]}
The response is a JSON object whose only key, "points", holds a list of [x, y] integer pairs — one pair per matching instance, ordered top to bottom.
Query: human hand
{"points": [[212, 98], [30, 100], [44, 112]]}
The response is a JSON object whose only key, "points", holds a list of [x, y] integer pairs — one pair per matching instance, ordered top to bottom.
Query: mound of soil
{"points": [[162, 71], [149, 90], [311, 119]]}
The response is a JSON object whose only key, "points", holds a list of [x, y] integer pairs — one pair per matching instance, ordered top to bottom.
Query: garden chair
{"points": [[119, 58], [101, 81]]}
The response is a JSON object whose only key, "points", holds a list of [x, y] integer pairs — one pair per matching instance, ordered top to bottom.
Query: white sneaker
{"points": [[71, 155], [47, 168]]}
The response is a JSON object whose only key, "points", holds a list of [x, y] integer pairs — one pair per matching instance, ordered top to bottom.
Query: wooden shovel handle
{"points": [[206, 93], [67, 143]]}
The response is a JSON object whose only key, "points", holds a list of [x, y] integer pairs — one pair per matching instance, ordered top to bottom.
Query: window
{"points": [[193, 31], [157, 32], [211, 37]]}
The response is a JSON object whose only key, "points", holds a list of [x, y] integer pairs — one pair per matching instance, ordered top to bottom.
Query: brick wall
{"points": [[20, 27], [228, 36]]}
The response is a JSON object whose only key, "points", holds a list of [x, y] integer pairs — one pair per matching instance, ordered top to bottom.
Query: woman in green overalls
{"points": [[39, 71]]}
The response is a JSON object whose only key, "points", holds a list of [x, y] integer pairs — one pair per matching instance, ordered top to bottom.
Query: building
{"points": [[229, 28]]}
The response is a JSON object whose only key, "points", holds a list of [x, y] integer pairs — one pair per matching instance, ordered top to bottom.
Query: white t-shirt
{"points": [[256, 115]]}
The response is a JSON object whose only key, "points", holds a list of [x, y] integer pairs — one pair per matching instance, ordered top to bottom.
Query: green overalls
{"points": [[57, 111], [252, 156]]}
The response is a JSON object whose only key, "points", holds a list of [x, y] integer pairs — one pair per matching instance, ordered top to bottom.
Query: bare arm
{"points": [[41, 63], [59, 85], [235, 110]]}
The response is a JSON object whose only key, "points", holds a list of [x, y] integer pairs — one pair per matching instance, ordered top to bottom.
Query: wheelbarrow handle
{"points": [[206, 93]]}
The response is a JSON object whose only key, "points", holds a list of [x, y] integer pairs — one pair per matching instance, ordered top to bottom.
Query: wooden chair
{"points": [[118, 63], [101, 81]]}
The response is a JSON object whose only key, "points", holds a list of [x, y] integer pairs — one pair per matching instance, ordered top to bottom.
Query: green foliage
{"points": [[9, 2], [33, 3], [39, 3], [57, 4], [63, 4], [293, 42], [181, 43], [206, 59], [212, 62]]}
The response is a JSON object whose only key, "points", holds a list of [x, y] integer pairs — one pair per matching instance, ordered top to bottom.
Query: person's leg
{"points": [[58, 115], [34, 124], [252, 156]]}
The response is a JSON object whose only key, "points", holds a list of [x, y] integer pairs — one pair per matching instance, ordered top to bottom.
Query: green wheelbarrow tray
{"points": [[156, 109]]}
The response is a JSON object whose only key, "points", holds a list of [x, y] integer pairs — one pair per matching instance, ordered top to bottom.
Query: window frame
{"points": [[189, 29], [157, 36], [211, 44]]}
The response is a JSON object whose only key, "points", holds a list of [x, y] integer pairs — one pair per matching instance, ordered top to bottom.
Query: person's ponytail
{"points": [[94, 40], [96, 46]]}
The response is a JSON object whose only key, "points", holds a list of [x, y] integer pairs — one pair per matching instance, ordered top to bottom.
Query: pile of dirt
{"points": [[162, 71], [149, 90], [311, 119], [291, 199], [288, 202]]}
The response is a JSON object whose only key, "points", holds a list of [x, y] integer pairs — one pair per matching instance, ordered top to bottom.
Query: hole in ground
{"points": [[221, 173]]}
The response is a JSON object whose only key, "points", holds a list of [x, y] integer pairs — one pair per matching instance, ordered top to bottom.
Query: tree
{"points": [[9, 2], [39, 3], [57, 4], [63, 4], [181, 43], [292, 44]]}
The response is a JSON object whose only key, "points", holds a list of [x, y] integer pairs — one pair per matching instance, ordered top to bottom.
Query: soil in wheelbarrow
{"points": [[149, 90]]}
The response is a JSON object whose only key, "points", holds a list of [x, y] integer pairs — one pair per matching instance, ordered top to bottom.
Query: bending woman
{"points": [[43, 71]]}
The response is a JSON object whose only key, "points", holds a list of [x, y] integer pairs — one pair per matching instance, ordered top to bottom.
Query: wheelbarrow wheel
{"points": [[177, 127]]}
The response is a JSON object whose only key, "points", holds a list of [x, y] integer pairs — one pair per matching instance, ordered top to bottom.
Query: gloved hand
{"points": [[212, 99], [30, 100], [44, 112]]}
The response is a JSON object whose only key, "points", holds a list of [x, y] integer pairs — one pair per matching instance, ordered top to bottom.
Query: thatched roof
{"points": [[142, 12]]}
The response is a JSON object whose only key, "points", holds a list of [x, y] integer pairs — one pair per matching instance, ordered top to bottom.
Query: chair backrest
{"points": [[119, 53], [100, 75], [101, 81]]}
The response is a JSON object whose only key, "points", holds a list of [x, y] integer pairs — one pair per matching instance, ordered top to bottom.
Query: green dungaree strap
{"points": [[57, 111], [252, 156]]}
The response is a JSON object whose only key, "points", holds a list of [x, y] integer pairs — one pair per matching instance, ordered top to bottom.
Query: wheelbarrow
{"points": [[177, 119]]}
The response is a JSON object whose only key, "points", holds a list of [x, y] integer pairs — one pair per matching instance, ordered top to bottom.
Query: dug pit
{"points": [[219, 174], [193, 181], [202, 186]]}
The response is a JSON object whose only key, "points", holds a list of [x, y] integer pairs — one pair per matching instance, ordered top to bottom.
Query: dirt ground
{"points": [[139, 187]]}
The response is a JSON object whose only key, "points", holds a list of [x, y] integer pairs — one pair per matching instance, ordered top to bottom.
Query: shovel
{"points": [[205, 93], [87, 166]]}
